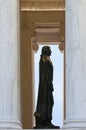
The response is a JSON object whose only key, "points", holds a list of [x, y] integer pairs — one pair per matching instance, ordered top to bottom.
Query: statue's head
{"points": [[46, 51]]}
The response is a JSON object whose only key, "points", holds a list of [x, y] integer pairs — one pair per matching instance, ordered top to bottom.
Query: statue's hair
{"points": [[45, 50]]}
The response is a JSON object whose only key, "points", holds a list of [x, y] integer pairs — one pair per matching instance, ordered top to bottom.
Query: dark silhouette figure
{"points": [[45, 102]]}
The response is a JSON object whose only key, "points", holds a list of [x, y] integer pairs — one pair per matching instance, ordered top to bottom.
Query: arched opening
{"points": [[44, 26], [57, 58]]}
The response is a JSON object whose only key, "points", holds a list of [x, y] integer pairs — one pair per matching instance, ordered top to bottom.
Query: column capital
{"points": [[35, 46], [62, 46]]}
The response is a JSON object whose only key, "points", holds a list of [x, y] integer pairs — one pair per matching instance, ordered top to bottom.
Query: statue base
{"points": [[40, 124], [46, 127]]}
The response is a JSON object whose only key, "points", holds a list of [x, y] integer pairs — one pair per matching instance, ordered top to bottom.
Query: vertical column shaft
{"points": [[9, 64], [75, 64]]}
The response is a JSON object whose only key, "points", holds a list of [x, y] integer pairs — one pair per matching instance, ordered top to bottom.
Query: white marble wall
{"points": [[9, 64], [75, 64]]}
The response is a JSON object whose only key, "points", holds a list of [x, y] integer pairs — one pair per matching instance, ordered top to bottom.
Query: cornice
{"points": [[42, 5]]}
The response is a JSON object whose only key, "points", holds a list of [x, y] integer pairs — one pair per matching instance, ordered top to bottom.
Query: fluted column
{"points": [[9, 64], [75, 64]]}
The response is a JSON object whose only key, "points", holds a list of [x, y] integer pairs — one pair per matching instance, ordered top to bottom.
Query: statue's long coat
{"points": [[45, 95]]}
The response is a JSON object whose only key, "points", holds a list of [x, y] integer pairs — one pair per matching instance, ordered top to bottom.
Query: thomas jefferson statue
{"points": [[45, 102]]}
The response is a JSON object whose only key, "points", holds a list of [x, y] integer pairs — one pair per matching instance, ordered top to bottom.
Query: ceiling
{"points": [[33, 11]]}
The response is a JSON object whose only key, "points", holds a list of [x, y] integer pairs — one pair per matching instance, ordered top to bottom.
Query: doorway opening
{"points": [[57, 58]]}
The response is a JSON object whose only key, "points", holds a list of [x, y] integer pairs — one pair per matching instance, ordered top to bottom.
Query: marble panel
{"points": [[8, 23], [8, 61], [75, 64], [9, 65], [8, 99]]}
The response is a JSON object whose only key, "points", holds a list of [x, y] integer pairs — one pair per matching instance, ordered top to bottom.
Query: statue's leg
{"points": [[50, 106]]}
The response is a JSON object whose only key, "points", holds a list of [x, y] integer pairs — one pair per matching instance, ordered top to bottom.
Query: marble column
{"points": [[9, 64], [75, 64]]}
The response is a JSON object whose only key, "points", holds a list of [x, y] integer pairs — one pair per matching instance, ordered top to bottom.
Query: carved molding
{"points": [[42, 5], [47, 32], [35, 46], [62, 46]]}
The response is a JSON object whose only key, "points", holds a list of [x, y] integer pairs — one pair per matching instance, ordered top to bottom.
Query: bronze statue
{"points": [[45, 102]]}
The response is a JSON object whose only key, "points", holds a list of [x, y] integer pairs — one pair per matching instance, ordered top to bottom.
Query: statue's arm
{"points": [[47, 74]]}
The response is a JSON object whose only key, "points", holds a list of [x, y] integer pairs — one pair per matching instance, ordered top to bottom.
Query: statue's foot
{"points": [[47, 126], [53, 126]]}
